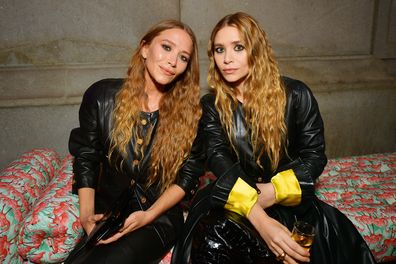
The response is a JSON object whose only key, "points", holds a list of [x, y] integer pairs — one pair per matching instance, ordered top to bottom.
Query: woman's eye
{"points": [[166, 47], [239, 47], [219, 50], [184, 58]]}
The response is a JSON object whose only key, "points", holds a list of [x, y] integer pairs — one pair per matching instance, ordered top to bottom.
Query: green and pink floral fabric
{"points": [[21, 184], [364, 189], [52, 228]]}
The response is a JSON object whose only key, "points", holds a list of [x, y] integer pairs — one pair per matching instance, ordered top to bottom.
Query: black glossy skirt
{"points": [[220, 236]]}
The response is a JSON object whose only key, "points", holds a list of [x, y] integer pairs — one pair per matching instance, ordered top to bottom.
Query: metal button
{"points": [[144, 122], [139, 141], [260, 179], [192, 192], [143, 199]]}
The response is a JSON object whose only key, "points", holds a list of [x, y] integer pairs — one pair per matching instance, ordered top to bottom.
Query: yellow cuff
{"points": [[287, 188], [241, 198]]}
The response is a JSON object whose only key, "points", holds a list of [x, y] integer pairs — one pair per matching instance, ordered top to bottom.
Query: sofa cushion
{"points": [[30, 173], [21, 183], [364, 189], [10, 218], [52, 229]]}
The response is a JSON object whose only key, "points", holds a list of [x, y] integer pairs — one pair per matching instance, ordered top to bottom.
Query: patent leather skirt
{"points": [[219, 236], [224, 237]]}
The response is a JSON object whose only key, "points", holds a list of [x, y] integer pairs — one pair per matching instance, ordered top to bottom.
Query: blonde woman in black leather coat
{"points": [[140, 130], [265, 144]]}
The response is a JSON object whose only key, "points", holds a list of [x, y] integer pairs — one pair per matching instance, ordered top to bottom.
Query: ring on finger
{"points": [[281, 257]]}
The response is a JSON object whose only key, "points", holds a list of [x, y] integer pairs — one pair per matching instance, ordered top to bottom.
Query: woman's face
{"points": [[167, 56], [230, 56]]}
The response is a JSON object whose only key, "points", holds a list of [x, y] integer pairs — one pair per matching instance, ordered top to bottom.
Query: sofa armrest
{"points": [[21, 183], [52, 228]]}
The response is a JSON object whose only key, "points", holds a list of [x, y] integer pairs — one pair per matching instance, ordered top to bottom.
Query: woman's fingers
{"points": [[97, 217], [128, 227], [118, 235], [277, 237], [113, 238], [286, 248], [277, 250], [295, 251], [285, 258], [289, 260]]}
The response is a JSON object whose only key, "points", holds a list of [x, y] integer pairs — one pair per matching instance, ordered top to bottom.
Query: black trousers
{"points": [[140, 246]]}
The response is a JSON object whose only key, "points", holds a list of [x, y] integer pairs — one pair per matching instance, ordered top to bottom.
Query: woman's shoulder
{"points": [[294, 84], [296, 88], [103, 89], [208, 99]]}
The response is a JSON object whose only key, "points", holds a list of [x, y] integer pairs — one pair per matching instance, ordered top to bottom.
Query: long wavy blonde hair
{"points": [[264, 93], [179, 112]]}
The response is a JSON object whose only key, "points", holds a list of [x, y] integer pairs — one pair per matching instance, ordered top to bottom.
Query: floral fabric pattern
{"points": [[21, 183], [364, 189], [52, 229]]}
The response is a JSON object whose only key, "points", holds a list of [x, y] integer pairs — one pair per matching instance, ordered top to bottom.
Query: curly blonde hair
{"points": [[264, 93], [179, 112]]}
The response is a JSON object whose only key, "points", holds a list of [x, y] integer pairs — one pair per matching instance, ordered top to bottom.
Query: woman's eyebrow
{"points": [[232, 42], [174, 44]]}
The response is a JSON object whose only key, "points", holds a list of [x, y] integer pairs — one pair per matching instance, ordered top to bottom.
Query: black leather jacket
{"points": [[89, 144], [305, 151]]}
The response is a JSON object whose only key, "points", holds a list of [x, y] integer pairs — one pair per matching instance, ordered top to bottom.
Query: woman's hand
{"points": [[138, 219], [134, 221], [89, 222], [277, 237]]}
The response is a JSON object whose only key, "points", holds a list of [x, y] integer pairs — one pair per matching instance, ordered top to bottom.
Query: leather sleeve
{"points": [[308, 139], [84, 142], [220, 158], [193, 167]]}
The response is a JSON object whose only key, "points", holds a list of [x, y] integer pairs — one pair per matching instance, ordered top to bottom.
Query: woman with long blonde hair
{"points": [[140, 130], [265, 144]]}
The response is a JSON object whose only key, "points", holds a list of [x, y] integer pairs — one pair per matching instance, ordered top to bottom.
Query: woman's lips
{"points": [[229, 70], [167, 71]]}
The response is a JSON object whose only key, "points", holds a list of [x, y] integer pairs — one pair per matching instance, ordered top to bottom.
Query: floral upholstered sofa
{"points": [[39, 216]]}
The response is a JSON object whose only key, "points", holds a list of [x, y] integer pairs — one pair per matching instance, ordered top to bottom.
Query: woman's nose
{"points": [[227, 57], [172, 60]]}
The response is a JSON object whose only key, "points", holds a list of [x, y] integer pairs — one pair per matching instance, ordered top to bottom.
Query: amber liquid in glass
{"points": [[304, 241]]}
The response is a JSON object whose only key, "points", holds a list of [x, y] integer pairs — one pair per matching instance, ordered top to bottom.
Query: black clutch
{"points": [[113, 219], [111, 223]]}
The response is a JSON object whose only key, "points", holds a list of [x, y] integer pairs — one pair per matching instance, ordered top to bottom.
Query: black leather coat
{"points": [[89, 144], [305, 151], [337, 240]]}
